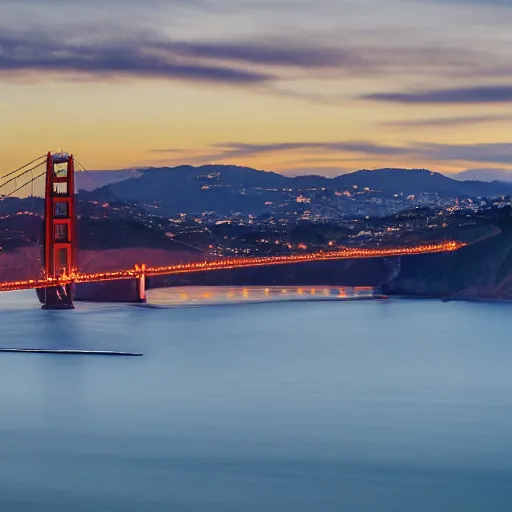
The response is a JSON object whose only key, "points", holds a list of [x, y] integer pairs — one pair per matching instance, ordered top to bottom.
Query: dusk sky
{"points": [[295, 86]]}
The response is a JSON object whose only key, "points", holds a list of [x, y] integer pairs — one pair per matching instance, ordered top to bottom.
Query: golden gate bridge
{"points": [[59, 272]]}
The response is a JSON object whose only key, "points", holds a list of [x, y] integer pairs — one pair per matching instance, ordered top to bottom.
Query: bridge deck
{"points": [[233, 263]]}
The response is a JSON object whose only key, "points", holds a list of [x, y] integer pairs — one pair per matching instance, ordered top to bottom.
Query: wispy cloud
{"points": [[482, 3], [42, 53], [103, 53], [272, 53], [311, 53], [463, 95], [439, 122], [232, 150], [491, 153], [320, 170], [485, 174]]}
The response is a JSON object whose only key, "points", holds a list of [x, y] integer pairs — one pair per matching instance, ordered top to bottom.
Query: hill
{"points": [[418, 181], [226, 188], [482, 270]]}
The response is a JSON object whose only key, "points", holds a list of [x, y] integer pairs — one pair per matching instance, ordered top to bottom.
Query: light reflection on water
{"points": [[202, 295]]}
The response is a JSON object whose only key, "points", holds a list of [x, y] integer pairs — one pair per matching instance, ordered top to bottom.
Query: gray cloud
{"points": [[483, 3], [91, 51], [40, 52], [271, 53], [140, 54], [463, 95], [448, 121], [354, 147], [239, 150], [491, 153], [324, 171], [485, 174]]}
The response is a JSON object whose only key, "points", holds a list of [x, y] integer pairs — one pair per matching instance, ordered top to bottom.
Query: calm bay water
{"points": [[305, 406]]}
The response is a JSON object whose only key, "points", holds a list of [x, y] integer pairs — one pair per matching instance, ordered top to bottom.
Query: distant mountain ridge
{"points": [[485, 175], [92, 180], [226, 188]]}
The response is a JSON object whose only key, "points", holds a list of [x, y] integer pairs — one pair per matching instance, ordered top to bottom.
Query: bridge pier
{"points": [[141, 284], [56, 297]]}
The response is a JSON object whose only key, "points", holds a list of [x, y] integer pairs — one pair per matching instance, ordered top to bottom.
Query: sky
{"points": [[293, 86]]}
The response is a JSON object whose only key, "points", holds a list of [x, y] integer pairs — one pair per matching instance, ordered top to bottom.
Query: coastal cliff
{"points": [[482, 270]]}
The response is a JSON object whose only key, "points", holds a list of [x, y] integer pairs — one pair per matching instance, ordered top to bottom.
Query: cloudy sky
{"points": [[289, 85]]}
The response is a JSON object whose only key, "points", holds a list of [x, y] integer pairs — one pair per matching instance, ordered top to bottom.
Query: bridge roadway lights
{"points": [[61, 297]]}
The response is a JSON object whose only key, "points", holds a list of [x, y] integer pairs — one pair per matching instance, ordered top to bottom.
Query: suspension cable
{"points": [[23, 167], [20, 175], [91, 175], [101, 185], [22, 186], [204, 251]]}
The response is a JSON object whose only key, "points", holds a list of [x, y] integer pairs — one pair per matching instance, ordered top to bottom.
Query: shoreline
{"points": [[449, 299], [251, 302]]}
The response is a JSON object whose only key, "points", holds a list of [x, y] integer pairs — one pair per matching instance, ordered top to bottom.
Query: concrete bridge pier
{"points": [[141, 283], [56, 297]]}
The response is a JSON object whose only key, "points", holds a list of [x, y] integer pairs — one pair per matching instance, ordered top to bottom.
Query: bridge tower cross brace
{"points": [[60, 241]]}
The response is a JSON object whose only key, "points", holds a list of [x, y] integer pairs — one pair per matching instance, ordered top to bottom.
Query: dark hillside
{"points": [[481, 270]]}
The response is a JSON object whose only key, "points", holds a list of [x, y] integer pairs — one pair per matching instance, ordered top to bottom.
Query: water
{"points": [[203, 295], [302, 406]]}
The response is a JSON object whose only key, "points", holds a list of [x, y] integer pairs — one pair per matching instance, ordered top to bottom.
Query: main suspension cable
{"points": [[23, 167], [90, 174], [20, 175], [22, 186]]}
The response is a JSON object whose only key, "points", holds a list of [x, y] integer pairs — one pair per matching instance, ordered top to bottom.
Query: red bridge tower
{"points": [[60, 240]]}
